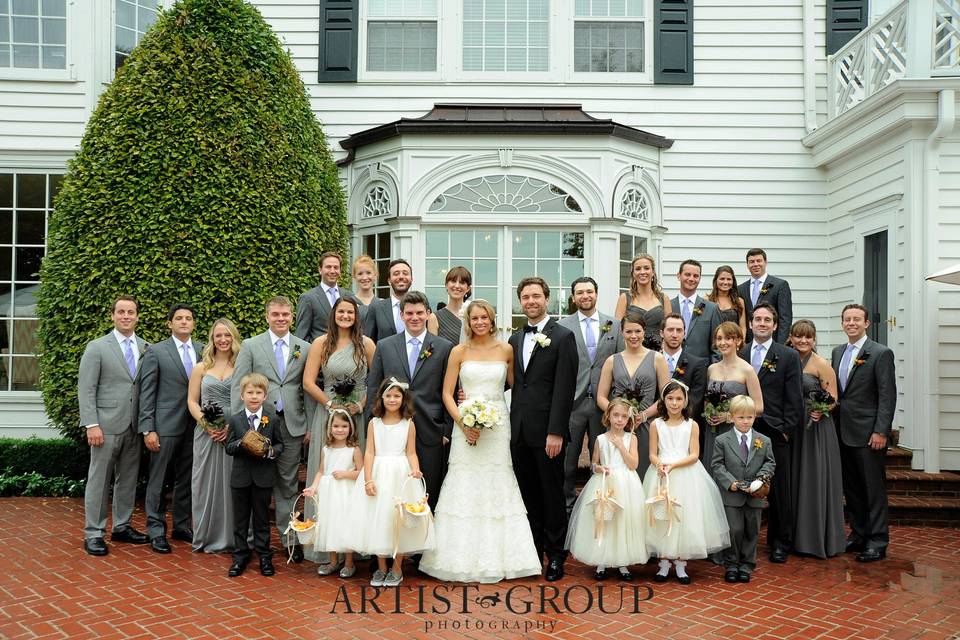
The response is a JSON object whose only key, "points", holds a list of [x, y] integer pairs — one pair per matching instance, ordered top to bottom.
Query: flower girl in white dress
{"points": [[333, 486], [697, 527], [618, 541]]}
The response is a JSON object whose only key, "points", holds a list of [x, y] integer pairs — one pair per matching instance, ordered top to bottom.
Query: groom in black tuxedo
{"points": [[544, 380]]}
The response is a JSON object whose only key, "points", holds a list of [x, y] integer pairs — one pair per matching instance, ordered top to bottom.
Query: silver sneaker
{"points": [[328, 569], [347, 572], [377, 579], [393, 579]]}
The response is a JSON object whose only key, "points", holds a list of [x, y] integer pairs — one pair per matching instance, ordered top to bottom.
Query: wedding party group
{"points": [[427, 437]]}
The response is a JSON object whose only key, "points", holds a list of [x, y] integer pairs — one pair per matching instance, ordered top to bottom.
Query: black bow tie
{"points": [[529, 328]]}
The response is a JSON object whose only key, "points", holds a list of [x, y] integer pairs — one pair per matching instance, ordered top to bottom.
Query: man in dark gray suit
{"points": [[762, 287], [313, 307], [385, 316], [700, 317], [598, 337], [428, 355], [280, 356], [686, 367], [107, 395], [868, 399], [167, 426]]}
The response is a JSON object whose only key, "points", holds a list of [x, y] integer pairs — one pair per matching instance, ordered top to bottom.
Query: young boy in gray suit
{"points": [[742, 457]]}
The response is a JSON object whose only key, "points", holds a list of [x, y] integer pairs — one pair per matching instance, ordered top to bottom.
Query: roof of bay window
{"points": [[551, 119]]}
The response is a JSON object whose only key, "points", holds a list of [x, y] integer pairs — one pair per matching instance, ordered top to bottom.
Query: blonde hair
{"points": [[361, 260], [654, 281], [491, 314], [210, 350], [255, 380], [743, 406], [631, 413]]}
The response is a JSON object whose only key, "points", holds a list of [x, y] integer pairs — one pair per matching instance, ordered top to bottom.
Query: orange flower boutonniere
{"points": [[765, 290], [698, 310], [296, 353], [862, 359], [264, 420], [758, 444]]}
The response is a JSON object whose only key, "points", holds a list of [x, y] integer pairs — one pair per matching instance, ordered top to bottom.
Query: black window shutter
{"points": [[845, 19], [339, 27], [673, 42]]}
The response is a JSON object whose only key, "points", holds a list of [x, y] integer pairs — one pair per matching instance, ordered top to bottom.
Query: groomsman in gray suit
{"points": [[762, 287], [313, 307], [384, 315], [700, 317], [598, 337], [280, 356], [419, 358], [107, 395], [868, 399], [167, 426]]}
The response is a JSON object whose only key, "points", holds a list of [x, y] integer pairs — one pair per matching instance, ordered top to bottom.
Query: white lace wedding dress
{"points": [[482, 532]]}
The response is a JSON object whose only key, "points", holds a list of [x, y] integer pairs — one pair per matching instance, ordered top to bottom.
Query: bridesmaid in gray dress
{"points": [[364, 272], [724, 294], [646, 298], [446, 322], [340, 358], [732, 375], [210, 383], [642, 387], [818, 482]]}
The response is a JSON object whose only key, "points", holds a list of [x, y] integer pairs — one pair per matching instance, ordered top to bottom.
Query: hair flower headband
{"points": [[403, 386]]}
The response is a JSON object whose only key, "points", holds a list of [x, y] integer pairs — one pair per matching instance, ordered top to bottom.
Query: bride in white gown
{"points": [[482, 532]]}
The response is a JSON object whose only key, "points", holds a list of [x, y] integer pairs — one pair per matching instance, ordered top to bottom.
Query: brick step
{"points": [[898, 458], [906, 482], [924, 511]]}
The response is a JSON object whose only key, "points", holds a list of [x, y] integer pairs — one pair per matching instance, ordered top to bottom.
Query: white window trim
{"points": [[162, 5], [67, 74], [405, 76], [598, 77]]}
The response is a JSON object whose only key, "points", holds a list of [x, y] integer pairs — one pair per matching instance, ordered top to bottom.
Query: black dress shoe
{"points": [[129, 534], [182, 534], [160, 545], [854, 546], [95, 547], [297, 555], [778, 555], [872, 555], [266, 567], [236, 569], [554, 570], [600, 574], [625, 575], [730, 576], [743, 576], [659, 577], [684, 579]]}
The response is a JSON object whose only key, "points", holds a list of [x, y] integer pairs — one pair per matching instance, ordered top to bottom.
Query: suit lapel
{"points": [[324, 300], [386, 312], [693, 315], [547, 331], [578, 334], [516, 341], [114, 346], [267, 346], [401, 347], [425, 347], [174, 354], [863, 354], [751, 450]]}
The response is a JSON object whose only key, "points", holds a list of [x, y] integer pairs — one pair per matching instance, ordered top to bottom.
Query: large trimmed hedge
{"points": [[203, 176]]}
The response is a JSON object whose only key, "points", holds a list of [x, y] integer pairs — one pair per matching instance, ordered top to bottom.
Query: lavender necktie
{"points": [[755, 293], [334, 295], [686, 315], [401, 327], [591, 339], [414, 354], [130, 358], [187, 359], [757, 361], [671, 364], [845, 366], [281, 368], [252, 419], [744, 450]]}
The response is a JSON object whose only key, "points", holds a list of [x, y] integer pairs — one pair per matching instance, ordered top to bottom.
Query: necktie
{"points": [[755, 293], [334, 295], [687, 316], [401, 327], [591, 339], [414, 354], [129, 357], [187, 360], [757, 361], [671, 364], [845, 366], [281, 368], [252, 419], [744, 450]]}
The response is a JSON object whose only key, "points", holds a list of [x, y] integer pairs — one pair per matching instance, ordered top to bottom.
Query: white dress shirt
{"points": [[326, 290], [594, 326], [406, 338], [529, 343], [133, 344], [286, 344], [857, 346], [765, 348], [190, 350], [675, 356], [256, 423]]}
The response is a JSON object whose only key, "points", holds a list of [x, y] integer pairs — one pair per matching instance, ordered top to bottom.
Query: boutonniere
{"points": [[764, 289], [698, 310], [606, 327], [542, 340], [296, 353], [425, 353], [858, 361], [770, 364], [680, 369], [264, 420], [758, 444]]}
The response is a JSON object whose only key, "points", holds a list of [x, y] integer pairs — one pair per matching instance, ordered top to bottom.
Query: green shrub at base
{"points": [[49, 458]]}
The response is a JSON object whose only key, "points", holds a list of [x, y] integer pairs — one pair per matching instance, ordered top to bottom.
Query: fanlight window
{"points": [[505, 194], [376, 204], [634, 205]]}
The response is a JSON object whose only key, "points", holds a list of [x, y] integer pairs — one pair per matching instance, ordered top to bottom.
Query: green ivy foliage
{"points": [[203, 176], [49, 458]]}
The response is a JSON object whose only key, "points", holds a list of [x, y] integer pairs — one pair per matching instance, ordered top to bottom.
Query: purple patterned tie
{"points": [[414, 354], [130, 358], [187, 359], [281, 368], [252, 419], [744, 450]]}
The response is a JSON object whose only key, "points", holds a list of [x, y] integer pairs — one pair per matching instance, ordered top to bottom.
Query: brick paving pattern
{"points": [[50, 588]]}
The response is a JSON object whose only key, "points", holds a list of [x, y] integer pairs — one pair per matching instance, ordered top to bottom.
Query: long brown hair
{"points": [[654, 280], [734, 295], [356, 334], [210, 349]]}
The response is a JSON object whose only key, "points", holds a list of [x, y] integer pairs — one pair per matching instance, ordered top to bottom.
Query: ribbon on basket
{"points": [[605, 506], [662, 507], [410, 514], [305, 530]]}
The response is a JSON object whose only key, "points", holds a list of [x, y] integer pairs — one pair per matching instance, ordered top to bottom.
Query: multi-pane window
{"points": [[133, 18], [33, 34], [402, 35], [506, 35], [608, 36], [26, 202], [377, 246], [630, 247], [478, 251], [555, 256]]}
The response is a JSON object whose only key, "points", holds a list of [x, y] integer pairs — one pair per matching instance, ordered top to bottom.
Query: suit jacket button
{"points": [[524, 385]]}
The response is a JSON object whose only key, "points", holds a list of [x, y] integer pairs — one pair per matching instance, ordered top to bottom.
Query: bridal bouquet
{"points": [[343, 388], [637, 399], [819, 400], [716, 403], [475, 413], [213, 419]]}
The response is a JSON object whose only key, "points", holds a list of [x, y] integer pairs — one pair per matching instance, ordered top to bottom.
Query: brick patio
{"points": [[49, 588]]}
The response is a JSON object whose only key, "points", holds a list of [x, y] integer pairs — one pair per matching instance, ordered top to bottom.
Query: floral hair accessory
{"points": [[679, 383], [403, 386]]}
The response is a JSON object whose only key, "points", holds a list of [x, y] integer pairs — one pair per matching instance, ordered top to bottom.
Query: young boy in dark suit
{"points": [[740, 457], [252, 476]]}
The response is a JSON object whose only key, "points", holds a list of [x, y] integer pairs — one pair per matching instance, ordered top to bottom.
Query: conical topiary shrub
{"points": [[202, 177]]}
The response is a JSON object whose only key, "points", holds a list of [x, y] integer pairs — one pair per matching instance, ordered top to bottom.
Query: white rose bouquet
{"points": [[475, 413]]}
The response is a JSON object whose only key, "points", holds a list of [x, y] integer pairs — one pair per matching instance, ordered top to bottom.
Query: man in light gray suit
{"points": [[313, 307], [700, 317], [598, 337], [280, 356], [107, 396], [167, 426]]}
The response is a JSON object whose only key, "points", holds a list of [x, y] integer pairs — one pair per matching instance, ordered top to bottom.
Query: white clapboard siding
{"points": [[948, 234]]}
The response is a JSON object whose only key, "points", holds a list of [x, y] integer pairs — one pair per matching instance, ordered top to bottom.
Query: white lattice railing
{"points": [[893, 47]]}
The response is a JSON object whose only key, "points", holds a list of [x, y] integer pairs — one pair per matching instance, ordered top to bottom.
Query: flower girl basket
{"points": [[605, 507], [662, 507], [414, 517], [306, 530]]}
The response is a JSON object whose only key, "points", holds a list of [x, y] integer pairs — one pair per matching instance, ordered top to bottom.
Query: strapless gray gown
{"points": [[212, 498]]}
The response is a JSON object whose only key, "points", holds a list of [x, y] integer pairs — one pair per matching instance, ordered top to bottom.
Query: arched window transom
{"points": [[505, 194], [376, 204], [634, 205]]}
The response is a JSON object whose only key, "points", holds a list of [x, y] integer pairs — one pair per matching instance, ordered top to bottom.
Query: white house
{"points": [[561, 137]]}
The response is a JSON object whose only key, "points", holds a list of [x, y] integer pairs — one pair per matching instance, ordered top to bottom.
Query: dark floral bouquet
{"points": [[652, 341], [343, 388], [635, 396], [819, 400], [716, 402], [213, 419]]}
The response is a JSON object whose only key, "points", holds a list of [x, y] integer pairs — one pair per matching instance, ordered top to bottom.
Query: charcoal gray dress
{"points": [[652, 318], [450, 326], [644, 384], [731, 388], [210, 488]]}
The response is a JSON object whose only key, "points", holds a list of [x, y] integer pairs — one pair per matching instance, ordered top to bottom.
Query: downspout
{"points": [[809, 68], [928, 379]]}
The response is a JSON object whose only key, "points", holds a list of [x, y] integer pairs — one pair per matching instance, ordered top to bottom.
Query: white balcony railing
{"points": [[915, 39]]}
